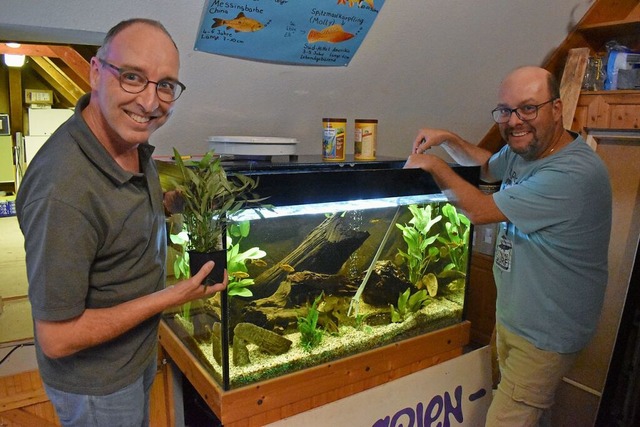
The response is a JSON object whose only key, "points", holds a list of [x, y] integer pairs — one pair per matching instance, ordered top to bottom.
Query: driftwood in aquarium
{"points": [[324, 251], [280, 310], [274, 312]]}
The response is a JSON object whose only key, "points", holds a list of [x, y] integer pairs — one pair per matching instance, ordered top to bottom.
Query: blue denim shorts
{"points": [[127, 407]]}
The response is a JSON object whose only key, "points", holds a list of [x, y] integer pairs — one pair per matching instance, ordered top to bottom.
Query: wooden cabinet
{"points": [[607, 110], [481, 299]]}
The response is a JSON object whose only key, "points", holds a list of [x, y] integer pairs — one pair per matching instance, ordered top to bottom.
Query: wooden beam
{"points": [[28, 50], [76, 63], [571, 83], [62, 84], [15, 100]]}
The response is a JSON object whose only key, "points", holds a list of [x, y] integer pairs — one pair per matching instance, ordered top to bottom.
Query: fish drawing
{"points": [[352, 2], [241, 24], [332, 34]]}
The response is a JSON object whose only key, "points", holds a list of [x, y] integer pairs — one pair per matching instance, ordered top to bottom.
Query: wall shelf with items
{"points": [[606, 20], [612, 20]]}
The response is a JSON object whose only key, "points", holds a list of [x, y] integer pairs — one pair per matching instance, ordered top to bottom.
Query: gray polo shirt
{"points": [[94, 237]]}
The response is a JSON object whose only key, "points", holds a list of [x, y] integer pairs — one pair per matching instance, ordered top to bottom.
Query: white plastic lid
{"points": [[252, 140]]}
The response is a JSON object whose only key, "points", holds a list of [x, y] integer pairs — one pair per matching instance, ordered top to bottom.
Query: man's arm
{"points": [[461, 151], [476, 205], [97, 326]]}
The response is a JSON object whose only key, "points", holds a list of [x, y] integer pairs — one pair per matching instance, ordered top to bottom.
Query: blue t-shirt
{"points": [[551, 256]]}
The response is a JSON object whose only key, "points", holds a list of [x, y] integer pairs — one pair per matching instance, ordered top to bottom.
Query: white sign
{"points": [[454, 393]]}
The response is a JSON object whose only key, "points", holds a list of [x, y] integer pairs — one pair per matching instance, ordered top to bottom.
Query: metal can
{"points": [[334, 138], [366, 138]]}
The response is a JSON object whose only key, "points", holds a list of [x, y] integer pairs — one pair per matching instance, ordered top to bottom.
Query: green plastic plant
{"points": [[407, 304], [310, 333]]}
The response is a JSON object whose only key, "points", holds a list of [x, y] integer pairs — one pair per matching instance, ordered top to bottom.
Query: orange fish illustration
{"points": [[352, 2], [240, 23], [332, 34]]}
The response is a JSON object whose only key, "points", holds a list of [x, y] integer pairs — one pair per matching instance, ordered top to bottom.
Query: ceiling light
{"points": [[13, 45], [14, 60]]}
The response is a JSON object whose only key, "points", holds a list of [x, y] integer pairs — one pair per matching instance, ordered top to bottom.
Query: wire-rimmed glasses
{"points": [[134, 82], [524, 113]]}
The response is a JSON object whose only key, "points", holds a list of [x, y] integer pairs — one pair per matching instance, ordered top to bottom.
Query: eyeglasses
{"points": [[133, 82], [525, 113]]}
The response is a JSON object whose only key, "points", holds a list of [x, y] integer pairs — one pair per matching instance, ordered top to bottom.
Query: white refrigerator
{"points": [[42, 123]]}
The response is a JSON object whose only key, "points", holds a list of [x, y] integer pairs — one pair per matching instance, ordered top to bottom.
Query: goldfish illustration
{"points": [[352, 2], [240, 23], [332, 34]]}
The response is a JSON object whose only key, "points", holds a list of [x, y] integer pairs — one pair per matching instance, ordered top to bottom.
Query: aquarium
{"points": [[342, 259]]}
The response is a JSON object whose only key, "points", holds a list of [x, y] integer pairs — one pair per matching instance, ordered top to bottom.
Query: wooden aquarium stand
{"points": [[274, 399]]}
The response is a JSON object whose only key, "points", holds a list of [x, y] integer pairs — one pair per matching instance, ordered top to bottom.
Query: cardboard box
{"points": [[38, 96]]}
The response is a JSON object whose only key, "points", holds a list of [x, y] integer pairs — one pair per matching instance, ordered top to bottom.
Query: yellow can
{"points": [[334, 138], [366, 139]]}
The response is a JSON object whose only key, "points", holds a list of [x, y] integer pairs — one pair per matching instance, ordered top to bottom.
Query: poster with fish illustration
{"points": [[304, 32]]}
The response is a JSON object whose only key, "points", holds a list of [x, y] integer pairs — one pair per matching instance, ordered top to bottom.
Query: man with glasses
{"points": [[91, 210], [550, 264]]}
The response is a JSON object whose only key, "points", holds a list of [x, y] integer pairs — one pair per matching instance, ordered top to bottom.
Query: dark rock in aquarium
{"points": [[248, 333]]}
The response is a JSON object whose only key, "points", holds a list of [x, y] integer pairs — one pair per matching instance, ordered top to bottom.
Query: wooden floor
{"points": [[15, 310], [23, 402]]}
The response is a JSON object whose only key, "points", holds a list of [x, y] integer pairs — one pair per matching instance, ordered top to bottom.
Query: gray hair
{"points": [[116, 29]]}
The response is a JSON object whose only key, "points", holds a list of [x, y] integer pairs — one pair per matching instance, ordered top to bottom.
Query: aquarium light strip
{"points": [[334, 207]]}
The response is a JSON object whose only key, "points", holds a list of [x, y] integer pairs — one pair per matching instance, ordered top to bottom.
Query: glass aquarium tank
{"points": [[344, 258]]}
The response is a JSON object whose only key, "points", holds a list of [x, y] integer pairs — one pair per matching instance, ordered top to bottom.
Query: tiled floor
{"points": [[15, 312]]}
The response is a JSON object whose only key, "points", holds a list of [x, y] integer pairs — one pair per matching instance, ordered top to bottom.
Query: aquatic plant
{"points": [[210, 198], [419, 237], [455, 238], [437, 249], [181, 261], [181, 264], [237, 269], [407, 304], [310, 333]]}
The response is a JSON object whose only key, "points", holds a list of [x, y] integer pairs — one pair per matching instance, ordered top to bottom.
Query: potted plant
{"points": [[210, 198]]}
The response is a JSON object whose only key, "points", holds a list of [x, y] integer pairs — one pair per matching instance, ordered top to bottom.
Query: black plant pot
{"points": [[198, 259]]}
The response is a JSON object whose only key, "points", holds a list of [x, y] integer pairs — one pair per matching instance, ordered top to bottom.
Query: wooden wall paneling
{"points": [[481, 299]]}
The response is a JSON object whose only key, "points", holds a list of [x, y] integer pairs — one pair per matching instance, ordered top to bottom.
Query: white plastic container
{"points": [[252, 145]]}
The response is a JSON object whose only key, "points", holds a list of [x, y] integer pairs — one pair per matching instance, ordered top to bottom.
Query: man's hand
{"points": [[428, 138]]}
